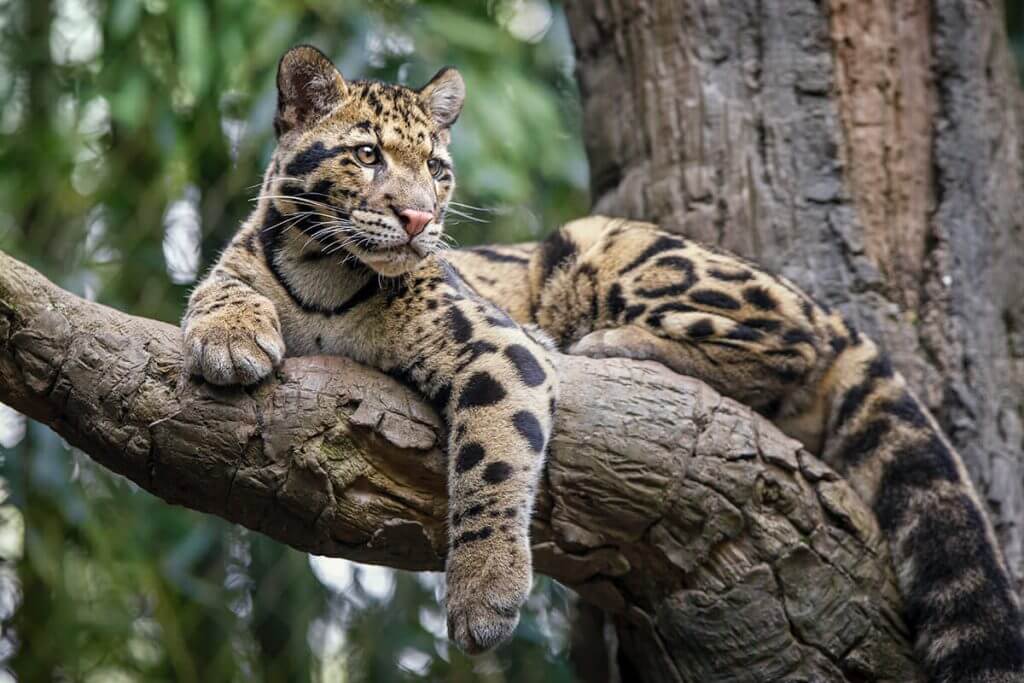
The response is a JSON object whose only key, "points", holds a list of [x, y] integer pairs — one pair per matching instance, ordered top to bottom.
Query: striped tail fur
{"points": [[959, 599]]}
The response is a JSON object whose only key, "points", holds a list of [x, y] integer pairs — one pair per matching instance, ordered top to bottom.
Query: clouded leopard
{"points": [[341, 257]]}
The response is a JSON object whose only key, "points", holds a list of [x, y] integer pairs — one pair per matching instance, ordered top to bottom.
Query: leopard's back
{"points": [[608, 287]]}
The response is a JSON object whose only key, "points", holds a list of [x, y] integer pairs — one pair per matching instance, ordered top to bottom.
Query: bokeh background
{"points": [[132, 133]]}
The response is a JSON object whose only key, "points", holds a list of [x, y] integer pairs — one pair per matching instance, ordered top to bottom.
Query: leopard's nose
{"points": [[414, 221]]}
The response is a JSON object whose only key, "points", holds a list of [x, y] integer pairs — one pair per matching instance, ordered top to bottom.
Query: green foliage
{"points": [[123, 121]]}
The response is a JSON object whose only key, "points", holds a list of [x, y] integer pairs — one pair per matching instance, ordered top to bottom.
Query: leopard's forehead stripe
{"points": [[392, 104]]}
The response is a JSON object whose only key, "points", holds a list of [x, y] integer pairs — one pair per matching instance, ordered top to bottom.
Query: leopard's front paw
{"points": [[236, 349], [483, 602]]}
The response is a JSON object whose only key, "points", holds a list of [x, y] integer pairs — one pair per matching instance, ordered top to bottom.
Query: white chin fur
{"points": [[390, 264]]}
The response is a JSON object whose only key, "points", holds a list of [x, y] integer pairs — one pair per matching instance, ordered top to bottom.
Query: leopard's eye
{"points": [[368, 155], [435, 167]]}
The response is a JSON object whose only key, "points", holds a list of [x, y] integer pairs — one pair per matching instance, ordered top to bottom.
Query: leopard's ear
{"points": [[308, 88], [443, 96]]}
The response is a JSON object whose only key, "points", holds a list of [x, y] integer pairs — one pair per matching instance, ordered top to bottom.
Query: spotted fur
{"points": [[326, 264], [605, 287]]}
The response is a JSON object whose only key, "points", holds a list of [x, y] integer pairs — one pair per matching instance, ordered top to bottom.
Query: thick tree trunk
{"points": [[870, 150], [720, 543]]}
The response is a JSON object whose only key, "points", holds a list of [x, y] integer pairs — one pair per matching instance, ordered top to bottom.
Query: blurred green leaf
{"points": [[196, 49]]}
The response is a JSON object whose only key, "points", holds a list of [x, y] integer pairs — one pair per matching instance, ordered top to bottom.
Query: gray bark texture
{"points": [[870, 150], [720, 547]]}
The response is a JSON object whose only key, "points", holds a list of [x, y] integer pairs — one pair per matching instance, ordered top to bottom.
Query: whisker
{"points": [[276, 177], [287, 177], [292, 198], [298, 200], [482, 209], [317, 214], [467, 216], [290, 217], [456, 221], [328, 228]]}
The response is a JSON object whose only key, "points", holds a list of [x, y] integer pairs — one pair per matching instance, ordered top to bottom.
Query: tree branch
{"points": [[716, 542]]}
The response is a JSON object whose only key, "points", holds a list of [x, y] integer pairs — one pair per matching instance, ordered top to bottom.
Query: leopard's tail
{"points": [[959, 598]]}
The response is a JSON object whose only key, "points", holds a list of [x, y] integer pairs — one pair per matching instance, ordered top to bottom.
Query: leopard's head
{"points": [[362, 168]]}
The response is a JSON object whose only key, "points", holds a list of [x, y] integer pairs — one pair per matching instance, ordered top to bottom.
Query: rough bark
{"points": [[870, 150], [718, 544]]}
